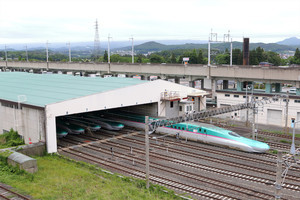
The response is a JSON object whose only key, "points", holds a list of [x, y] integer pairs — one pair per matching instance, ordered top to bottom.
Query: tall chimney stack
{"points": [[246, 51]]}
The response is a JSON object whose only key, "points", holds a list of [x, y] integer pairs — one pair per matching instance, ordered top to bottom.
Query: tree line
{"points": [[196, 56]]}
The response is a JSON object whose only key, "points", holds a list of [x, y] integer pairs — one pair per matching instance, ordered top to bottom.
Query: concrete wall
{"points": [[254, 73], [172, 111], [29, 122]]}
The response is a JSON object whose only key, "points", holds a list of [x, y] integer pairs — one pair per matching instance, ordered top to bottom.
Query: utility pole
{"points": [[213, 37], [108, 48], [132, 48], [231, 52], [26, 53], [47, 54], [5, 56], [70, 58], [208, 58], [247, 111], [287, 113], [254, 136], [147, 150], [278, 176]]}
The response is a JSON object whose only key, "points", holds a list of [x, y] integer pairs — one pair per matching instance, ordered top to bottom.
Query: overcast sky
{"points": [[32, 21]]}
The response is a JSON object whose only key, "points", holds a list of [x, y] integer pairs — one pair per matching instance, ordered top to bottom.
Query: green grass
{"points": [[297, 134], [10, 139], [285, 141], [61, 178]]}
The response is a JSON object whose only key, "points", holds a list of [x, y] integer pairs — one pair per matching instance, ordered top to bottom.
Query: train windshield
{"points": [[234, 134]]}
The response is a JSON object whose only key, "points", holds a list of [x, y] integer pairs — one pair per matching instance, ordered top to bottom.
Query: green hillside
{"points": [[155, 46]]}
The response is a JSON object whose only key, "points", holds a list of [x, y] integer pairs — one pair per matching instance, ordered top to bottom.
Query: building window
{"points": [[227, 95], [236, 96], [244, 97], [256, 97], [297, 101], [171, 104], [9, 105], [180, 108]]}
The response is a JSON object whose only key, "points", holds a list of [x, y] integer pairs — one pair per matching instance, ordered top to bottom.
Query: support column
{"points": [[145, 77], [202, 83], [207, 83], [192, 84], [225, 84], [239, 86], [277, 87], [213, 88], [268, 88], [298, 91], [51, 133]]}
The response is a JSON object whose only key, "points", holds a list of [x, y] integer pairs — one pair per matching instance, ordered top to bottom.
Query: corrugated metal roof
{"points": [[44, 89]]}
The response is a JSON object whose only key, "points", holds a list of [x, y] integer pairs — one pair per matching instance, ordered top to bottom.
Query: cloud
{"points": [[64, 20]]}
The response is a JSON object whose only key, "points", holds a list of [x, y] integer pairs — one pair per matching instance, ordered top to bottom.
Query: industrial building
{"points": [[30, 103]]}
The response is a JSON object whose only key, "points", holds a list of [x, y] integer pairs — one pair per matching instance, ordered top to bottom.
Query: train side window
{"points": [[175, 127], [199, 129], [204, 131], [234, 134]]}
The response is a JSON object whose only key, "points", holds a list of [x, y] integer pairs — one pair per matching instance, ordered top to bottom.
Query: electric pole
{"points": [[213, 37], [108, 48], [132, 50], [231, 52], [26, 53], [47, 54], [5, 55], [70, 58], [286, 113], [147, 150], [278, 176]]}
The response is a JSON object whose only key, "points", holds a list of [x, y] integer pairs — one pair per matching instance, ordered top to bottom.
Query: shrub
{"points": [[10, 139]]}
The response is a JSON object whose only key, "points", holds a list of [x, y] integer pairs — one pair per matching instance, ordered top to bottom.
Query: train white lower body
{"points": [[199, 137]]}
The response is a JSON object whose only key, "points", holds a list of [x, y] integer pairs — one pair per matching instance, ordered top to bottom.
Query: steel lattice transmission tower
{"points": [[96, 42]]}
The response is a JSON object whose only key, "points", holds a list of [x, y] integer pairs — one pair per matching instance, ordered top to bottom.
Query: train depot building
{"points": [[31, 103]]}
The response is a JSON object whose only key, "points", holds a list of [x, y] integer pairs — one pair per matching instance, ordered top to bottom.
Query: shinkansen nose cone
{"points": [[260, 147]]}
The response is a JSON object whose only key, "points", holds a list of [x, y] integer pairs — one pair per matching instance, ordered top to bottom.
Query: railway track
{"points": [[139, 140], [196, 155], [167, 169], [178, 172], [243, 176], [158, 179], [7, 194]]}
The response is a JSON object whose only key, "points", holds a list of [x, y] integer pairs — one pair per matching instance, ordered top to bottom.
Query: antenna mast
{"points": [[96, 42], [108, 48], [132, 49], [70, 58]]}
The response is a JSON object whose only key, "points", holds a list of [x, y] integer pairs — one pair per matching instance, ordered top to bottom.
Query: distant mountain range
{"points": [[293, 41], [144, 46], [155, 46]]}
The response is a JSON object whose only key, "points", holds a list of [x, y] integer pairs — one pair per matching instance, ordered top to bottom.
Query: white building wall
{"points": [[148, 92], [262, 116], [29, 122]]}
